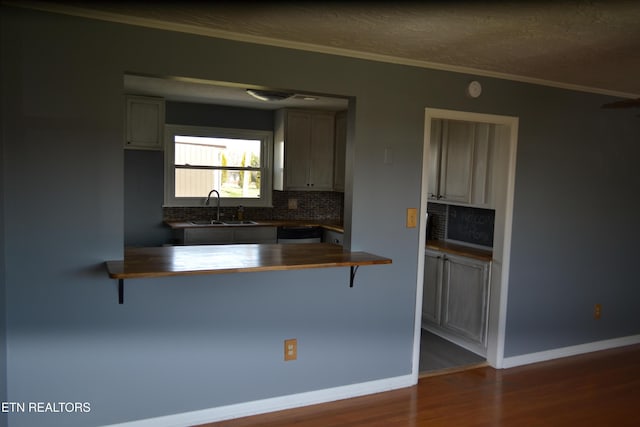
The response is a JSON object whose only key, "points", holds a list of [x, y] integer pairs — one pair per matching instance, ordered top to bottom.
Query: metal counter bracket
{"points": [[354, 270], [352, 277]]}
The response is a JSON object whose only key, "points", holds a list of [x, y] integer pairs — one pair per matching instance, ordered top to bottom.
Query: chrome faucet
{"points": [[206, 203]]}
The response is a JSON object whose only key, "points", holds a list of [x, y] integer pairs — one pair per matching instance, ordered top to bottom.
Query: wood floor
{"points": [[596, 389]]}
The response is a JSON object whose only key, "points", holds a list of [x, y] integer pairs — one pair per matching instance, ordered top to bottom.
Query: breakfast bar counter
{"points": [[165, 261]]}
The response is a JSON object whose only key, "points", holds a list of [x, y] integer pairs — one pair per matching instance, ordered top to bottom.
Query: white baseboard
{"points": [[525, 359], [274, 404]]}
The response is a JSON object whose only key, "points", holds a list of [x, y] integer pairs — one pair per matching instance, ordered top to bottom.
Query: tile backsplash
{"points": [[326, 206], [438, 227]]}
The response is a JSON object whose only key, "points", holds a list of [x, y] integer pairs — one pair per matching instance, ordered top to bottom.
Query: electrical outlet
{"points": [[293, 204], [412, 217], [597, 311], [290, 349]]}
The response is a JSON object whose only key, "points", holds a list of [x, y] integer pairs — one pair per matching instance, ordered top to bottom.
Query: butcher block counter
{"points": [[458, 249], [217, 259]]}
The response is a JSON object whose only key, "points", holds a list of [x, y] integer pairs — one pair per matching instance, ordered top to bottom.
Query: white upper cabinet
{"points": [[144, 122], [304, 150], [456, 163], [460, 163], [339, 165]]}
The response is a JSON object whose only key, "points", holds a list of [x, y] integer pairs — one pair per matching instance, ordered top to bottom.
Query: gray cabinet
{"points": [[144, 122], [304, 150], [460, 161], [225, 235], [331, 236], [432, 288], [456, 298]]}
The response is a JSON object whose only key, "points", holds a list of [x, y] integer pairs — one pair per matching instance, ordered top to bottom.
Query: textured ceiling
{"points": [[591, 44]]}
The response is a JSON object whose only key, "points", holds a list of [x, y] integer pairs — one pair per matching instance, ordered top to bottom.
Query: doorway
{"points": [[505, 140]]}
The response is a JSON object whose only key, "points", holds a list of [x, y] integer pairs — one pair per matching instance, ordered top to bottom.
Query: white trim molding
{"points": [[507, 138], [574, 350], [274, 404]]}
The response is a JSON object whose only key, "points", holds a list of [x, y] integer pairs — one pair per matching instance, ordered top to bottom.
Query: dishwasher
{"points": [[299, 234]]}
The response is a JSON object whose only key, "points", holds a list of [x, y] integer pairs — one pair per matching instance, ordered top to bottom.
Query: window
{"points": [[235, 162]]}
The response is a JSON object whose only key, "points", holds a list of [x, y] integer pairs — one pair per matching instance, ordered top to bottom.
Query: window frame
{"points": [[266, 164]]}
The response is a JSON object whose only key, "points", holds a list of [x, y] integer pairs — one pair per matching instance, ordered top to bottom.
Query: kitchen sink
{"points": [[207, 222], [240, 222]]}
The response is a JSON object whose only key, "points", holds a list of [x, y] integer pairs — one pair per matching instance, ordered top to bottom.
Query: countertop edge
{"points": [[178, 225], [458, 249], [201, 260]]}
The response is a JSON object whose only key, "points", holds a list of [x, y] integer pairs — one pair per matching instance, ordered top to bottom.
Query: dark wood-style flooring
{"points": [[596, 389]]}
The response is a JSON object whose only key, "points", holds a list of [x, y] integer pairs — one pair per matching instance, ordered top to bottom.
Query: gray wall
{"points": [[189, 343]]}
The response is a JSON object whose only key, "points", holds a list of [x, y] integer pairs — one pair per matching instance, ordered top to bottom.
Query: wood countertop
{"points": [[263, 223], [457, 249], [217, 259]]}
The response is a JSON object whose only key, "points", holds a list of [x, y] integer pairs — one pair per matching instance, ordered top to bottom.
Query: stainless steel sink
{"points": [[207, 222], [240, 222]]}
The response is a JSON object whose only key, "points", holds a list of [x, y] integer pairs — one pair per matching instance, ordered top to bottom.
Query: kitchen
{"points": [[198, 106]]}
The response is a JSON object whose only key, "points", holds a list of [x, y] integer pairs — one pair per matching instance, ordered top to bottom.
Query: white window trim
{"points": [[266, 175]]}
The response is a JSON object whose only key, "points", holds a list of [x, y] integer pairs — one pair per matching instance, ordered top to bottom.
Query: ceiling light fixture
{"points": [[269, 95]]}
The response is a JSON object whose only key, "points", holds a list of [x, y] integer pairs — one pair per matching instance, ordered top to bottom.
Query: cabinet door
{"points": [[144, 122], [297, 149], [321, 152], [456, 163], [339, 166], [481, 192], [255, 235], [208, 236], [432, 287], [466, 296]]}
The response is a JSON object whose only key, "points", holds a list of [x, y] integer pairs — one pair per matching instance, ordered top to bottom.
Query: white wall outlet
{"points": [[293, 203]]}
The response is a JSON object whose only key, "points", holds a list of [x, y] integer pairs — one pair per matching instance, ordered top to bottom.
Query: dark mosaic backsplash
{"points": [[311, 205]]}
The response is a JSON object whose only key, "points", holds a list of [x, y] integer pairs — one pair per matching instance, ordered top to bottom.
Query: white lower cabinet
{"points": [[225, 235], [455, 300]]}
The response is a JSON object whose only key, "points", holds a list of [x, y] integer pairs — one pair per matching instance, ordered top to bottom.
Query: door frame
{"points": [[507, 141]]}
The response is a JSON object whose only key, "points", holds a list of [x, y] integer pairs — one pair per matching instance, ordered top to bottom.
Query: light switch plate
{"points": [[412, 217]]}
